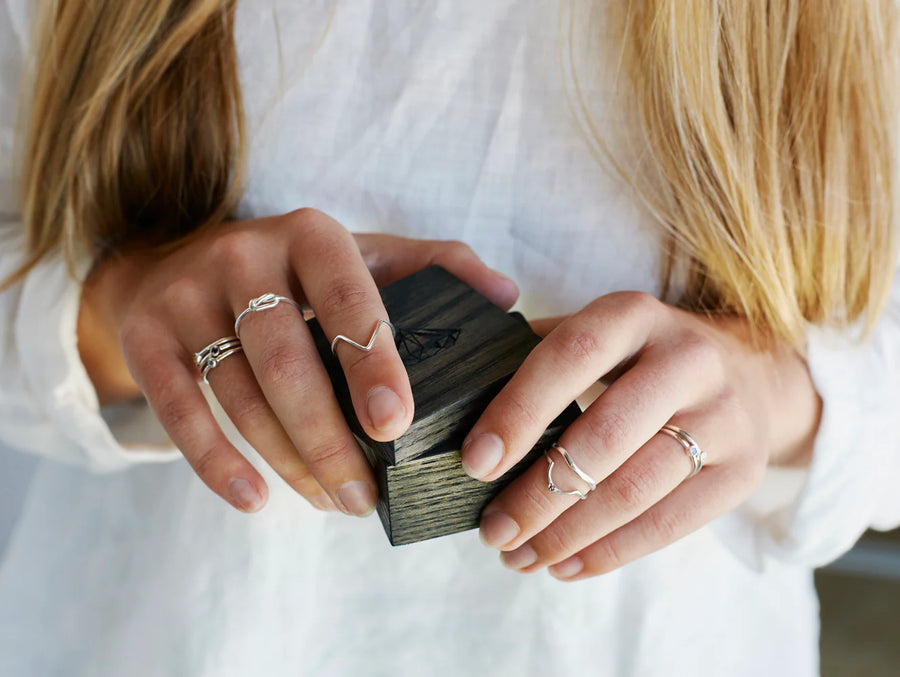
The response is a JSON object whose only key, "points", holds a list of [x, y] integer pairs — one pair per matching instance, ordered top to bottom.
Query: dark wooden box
{"points": [[459, 350]]}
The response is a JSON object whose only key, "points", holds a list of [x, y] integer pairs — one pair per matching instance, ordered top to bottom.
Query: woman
{"points": [[768, 206]]}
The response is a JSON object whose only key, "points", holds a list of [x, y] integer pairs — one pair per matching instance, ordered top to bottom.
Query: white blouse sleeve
{"points": [[48, 405], [853, 482]]}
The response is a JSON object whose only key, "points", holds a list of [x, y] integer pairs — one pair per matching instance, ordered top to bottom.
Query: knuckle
{"points": [[305, 217], [458, 249], [234, 250], [183, 293], [344, 296], [637, 302], [577, 345], [703, 354], [360, 362], [282, 367], [252, 411], [522, 411], [175, 414], [610, 429], [329, 453], [204, 464], [299, 478], [632, 489], [540, 502], [664, 527], [554, 543], [605, 556]]}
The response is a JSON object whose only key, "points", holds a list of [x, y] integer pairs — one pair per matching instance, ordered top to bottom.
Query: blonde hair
{"points": [[137, 125], [768, 127], [769, 153]]}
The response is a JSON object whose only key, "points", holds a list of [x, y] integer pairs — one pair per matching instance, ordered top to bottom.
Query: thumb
{"points": [[390, 258]]}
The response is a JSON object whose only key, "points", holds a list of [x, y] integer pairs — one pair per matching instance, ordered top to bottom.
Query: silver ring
{"points": [[263, 302], [368, 346], [215, 349], [212, 362], [690, 447], [582, 475]]}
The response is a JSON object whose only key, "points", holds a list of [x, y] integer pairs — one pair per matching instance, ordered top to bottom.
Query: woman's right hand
{"points": [[152, 312]]}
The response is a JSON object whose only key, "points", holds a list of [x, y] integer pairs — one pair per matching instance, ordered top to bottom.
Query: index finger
{"points": [[573, 357]]}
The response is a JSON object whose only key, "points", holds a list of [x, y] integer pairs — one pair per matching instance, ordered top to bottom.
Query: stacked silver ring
{"points": [[210, 357], [690, 447], [582, 475]]}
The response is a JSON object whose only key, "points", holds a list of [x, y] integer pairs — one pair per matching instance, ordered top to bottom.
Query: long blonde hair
{"points": [[136, 124], [768, 125], [769, 153]]}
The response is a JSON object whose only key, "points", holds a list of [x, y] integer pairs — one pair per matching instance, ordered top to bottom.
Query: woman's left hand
{"points": [[745, 406]]}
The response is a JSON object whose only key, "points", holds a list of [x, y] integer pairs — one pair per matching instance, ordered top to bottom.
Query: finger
{"points": [[390, 258], [341, 291], [545, 325], [577, 353], [282, 354], [170, 385], [237, 390], [628, 414], [649, 475], [691, 506]]}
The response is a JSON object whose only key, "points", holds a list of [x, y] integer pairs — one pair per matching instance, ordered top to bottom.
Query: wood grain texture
{"points": [[424, 491]]}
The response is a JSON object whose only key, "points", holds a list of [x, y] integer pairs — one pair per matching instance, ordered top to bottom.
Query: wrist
{"points": [[104, 299], [794, 409]]}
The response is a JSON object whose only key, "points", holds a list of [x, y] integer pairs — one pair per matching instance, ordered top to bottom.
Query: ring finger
{"points": [[235, 387], [622, 419], [646, 478]]}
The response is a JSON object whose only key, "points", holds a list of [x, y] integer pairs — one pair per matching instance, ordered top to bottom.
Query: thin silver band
{"points": [[264, 302], [368, 346], [215, 349], [213, 362], [690, 447], [583, 476]]}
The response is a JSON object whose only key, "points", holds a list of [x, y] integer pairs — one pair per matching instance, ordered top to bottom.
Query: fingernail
{"points": [[512, 291], [385, 408], [481, 455], [244, 495], [358, 498], [322, 502], [497, 529], [519, 558], [567, 568]]}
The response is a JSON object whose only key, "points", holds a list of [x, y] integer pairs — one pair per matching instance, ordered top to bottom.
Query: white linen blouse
{"points": [[445, 119]]}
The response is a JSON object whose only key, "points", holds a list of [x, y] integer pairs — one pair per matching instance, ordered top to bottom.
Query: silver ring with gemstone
{"points": [[264, 302], [215, 349], [215, 357], [690, 447], [583, 476]]}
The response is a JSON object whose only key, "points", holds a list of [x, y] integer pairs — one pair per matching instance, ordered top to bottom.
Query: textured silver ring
{"points": [[263, 302], [368, 346], [215, 349], [212, 362], [690, 447], [582, 475]]}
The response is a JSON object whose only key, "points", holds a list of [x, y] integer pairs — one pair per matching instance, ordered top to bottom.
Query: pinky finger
{"points": [[176, 399], [692, 505]]}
